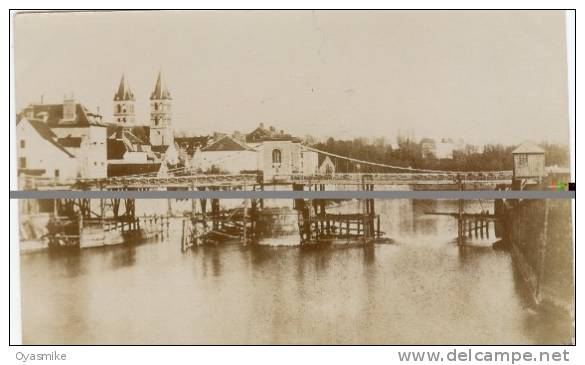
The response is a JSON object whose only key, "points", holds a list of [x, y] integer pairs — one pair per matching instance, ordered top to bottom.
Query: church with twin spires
{"points": [[160, 124]]}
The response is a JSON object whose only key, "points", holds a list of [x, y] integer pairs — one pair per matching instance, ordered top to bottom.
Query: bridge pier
{"points": [[75, 223], [220, 224], [316, 225], [470, 226]]}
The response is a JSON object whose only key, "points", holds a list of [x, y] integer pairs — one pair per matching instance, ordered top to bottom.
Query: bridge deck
{"points": [[241, 181]]}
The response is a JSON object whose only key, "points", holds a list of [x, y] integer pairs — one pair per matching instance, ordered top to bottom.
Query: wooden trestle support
{"points": [[79, 223], [467, 224], [316, 225], [202, 226]]}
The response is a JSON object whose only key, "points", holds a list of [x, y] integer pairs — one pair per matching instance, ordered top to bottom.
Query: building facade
{"points": [[39, 154], [227, 155]]}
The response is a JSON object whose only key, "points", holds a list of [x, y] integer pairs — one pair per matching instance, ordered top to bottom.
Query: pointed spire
{"points": [[160, 89], [124, 92]]}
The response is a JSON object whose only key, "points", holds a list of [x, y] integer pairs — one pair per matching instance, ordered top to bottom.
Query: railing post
{"points": [[244, 221]]}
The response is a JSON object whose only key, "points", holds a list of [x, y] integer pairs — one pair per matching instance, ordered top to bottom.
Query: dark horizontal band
{"points": [[217, 194]]}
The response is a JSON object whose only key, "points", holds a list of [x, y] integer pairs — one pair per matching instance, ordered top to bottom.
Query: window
{"points": [[155, 106], [119, 108], [124, 119], [156, 120], [22, 143], [276, 156], [522, 159], [22, 162], [56, 173]]}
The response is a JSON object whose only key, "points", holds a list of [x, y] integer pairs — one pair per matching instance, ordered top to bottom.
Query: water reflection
{"points": [[122, 257], [422, 289]]}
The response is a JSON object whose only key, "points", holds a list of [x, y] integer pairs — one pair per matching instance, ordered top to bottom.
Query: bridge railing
{"points": [[450, 177], [238, 179], [122, 181]]}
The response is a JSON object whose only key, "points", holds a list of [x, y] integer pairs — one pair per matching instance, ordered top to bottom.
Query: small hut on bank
{"points": [[528, 162]]}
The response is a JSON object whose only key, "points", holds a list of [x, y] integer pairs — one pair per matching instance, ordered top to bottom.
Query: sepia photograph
{"points": [[217, 177]]}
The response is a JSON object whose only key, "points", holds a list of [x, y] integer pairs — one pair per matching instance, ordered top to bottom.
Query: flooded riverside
{"points": [[420, 289]]}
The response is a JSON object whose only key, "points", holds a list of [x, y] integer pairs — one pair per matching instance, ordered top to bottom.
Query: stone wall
{"points": [[541, 236]]}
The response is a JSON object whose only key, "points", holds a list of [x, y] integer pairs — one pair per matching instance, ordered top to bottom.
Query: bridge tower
{"points": [[124, 104], [161, 131]]}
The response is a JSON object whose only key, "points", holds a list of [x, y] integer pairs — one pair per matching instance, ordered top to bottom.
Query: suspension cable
{"points": [[375, 163], [410, 169]]}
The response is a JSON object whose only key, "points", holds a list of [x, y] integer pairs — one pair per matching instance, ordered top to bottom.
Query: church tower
{"points": [[124, 104], [161, 131]]}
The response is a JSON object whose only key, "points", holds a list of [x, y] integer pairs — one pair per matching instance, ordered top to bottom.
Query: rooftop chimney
{"points": [[69, 109]]}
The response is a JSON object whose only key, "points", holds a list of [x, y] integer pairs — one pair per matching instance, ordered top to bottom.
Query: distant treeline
{"points": [[492, 157]]}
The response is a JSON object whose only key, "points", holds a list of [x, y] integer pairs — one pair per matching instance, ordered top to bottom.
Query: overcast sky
{"points": [[485, 76]]}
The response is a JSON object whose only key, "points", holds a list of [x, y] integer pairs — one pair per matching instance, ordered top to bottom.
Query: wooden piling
{"points": [[460, 220], [245, 223], [347, 228], [183, 236]]}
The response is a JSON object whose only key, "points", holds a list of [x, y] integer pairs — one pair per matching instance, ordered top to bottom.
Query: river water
{"points": [[421, 289]]}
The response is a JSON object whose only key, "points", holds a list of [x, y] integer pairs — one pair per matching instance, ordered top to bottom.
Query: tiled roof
{"points": [[53, 115], [142, 132], [261, 134], [136, 135], [132, 138], [124, 139], [227, 143], [190, 144]]}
